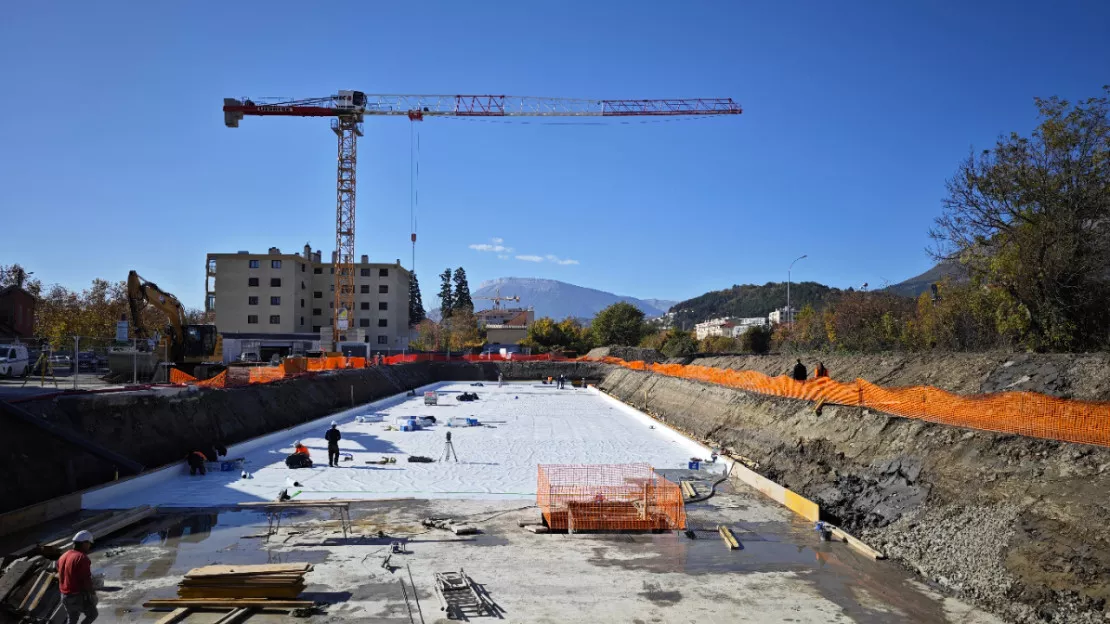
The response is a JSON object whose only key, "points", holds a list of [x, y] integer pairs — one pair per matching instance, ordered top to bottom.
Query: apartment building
{"points": [[293, 295]]}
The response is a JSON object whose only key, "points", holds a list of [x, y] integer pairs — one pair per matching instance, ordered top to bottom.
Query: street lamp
{"points": [[789, 311]]}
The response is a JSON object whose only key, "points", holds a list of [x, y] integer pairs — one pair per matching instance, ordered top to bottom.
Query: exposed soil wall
{"points": [[1085, 376], [161, 427], [1015, 524]]}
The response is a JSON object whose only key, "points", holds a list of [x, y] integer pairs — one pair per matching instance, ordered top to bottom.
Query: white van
{"points": [[14, 361]]}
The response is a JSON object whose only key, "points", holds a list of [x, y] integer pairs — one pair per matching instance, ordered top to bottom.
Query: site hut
{"points": [[283, 303]]}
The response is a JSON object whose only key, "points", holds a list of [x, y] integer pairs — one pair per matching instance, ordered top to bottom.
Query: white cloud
{"points": [[497, 241], [496, 246], [530, 258], [557, 260]]}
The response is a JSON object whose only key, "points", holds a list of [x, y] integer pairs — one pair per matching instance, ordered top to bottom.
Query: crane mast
{"points": [[348, 108]]}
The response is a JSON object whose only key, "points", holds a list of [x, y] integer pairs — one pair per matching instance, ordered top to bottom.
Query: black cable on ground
{"points": [[712, 489]]}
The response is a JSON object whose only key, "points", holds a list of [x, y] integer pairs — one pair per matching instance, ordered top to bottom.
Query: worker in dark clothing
{"points": [[800, 371], [821, 371], [333, 436], [196, 461], [75, 580]]}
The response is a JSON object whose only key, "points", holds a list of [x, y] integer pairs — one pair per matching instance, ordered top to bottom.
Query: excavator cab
{"points": [[200, 341]]}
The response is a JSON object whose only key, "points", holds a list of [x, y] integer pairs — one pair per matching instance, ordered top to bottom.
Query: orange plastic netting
{"points": [[180, 377], [219, 381], [1021, 413], [608, 497]]}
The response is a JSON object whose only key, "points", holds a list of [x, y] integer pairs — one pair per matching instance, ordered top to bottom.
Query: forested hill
{"points": [[749, 300]]}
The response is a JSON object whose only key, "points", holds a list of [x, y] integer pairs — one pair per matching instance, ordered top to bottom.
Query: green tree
{"points": [[1031, 217], [446, 294], [416, 301], [461, 301], [619, 324], [428, 334], [756, 340], [678, 342], [718, 344]]}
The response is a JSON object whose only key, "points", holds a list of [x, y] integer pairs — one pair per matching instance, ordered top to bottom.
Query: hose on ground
{"points": [[713, 489]]}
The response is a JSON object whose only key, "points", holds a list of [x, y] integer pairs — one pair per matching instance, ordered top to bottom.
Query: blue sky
{"points": [[115, 155]]}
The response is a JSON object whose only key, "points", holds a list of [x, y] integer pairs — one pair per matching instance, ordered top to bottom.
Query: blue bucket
{"points": [[694, 465]]}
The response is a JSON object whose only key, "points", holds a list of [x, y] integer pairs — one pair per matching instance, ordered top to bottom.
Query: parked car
{"points": [[249, 356], [14, 360], [88, 360]]}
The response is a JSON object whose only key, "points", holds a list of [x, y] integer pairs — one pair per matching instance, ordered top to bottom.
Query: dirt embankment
{"points": [[1085, 376], [158, 428], [1015, 524]]}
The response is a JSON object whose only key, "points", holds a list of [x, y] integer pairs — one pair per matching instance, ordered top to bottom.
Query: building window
{"points": [[254, 264], [275, 264], [302, 268], [317, 270], [332, 270], [364, 272], [383, 272], [252, 281], [275, 282], [302, 285], [331, 287], [365, 289], [383, 289], [317, 295], [252, 300], [275, 300], [211, 302], [302, 303], [331, 304], [365, 305], [382, 305], [317, 311], [252, 319], [275, 319], [302, 320], [364, 322], [382, 322], [315, 329], [383, 339]]}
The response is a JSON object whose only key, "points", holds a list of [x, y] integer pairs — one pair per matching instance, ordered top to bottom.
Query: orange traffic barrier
{"points": [[180, 377], [1021, 413], [608, 497]]}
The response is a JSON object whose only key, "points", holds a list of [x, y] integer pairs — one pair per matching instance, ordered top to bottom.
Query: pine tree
{"points": [[446, 295], [416, 301], [462, 301]]}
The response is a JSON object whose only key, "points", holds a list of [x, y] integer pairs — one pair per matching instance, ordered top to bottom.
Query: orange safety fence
{"points": [[266, 374], [180, 377], [219, 381], [1021, 413], [608, 497]]}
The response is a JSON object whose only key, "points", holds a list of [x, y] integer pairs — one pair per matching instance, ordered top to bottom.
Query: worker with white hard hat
{"points": [[333, 437], [75, 580]]}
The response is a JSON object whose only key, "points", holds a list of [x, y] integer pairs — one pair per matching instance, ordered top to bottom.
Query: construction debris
{"points": [[730, 540], [282, 581], [460, 597]]}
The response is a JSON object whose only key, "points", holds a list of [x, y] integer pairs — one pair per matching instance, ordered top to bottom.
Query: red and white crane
{"points": [[348, 109]]}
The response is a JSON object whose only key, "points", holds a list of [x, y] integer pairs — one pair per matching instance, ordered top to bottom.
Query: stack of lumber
{"points": [[280, 581]]}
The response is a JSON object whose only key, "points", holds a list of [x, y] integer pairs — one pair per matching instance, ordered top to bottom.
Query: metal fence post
{"points": [[76, 359], [134, 362]]}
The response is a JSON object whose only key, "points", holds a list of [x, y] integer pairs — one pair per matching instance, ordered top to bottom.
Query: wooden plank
{"points": [[726, 534], [855, 543], [265, 568], [16, 572], [46, 587], [35, 590], [225, 603], [175, 616], [235, 616]]}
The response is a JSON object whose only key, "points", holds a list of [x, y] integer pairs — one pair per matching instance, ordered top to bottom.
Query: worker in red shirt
{"points": [[75, 580]]}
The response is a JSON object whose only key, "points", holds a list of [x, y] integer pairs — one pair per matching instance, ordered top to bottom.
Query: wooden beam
{"points": [[730, 540], [854, 543], [15, 573], [226, 603], [236, 616]]}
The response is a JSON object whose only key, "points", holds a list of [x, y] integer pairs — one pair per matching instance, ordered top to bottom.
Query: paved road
{"points": [[16, 388]]}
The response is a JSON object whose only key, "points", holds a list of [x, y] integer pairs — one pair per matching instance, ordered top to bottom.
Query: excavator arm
{"points": [[141, 292]]}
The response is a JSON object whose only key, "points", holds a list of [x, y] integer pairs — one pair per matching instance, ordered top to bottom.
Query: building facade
{"points": [[294, 294], [17, 314], [781, 315]]}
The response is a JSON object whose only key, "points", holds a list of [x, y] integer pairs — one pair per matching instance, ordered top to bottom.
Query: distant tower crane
{"points": [[348, 108]]}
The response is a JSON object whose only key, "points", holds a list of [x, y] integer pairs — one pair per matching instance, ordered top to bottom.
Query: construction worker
{"points": [[800, 371], [821, 371], [500, 379], [333, 436], [300, 449], [196, 461], [75, 580]]}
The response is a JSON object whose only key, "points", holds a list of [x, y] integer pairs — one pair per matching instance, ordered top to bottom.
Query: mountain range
{"points": [[556, 299]]}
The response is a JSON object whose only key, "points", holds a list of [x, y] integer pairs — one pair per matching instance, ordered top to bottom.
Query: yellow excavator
{"points": [[186, 345]]}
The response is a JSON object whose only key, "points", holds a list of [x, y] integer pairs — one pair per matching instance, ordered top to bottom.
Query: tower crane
{"points": [[347, 109], [497, 298]]}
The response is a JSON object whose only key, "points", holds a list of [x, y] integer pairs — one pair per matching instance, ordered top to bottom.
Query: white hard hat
{"points": [[334, 424], [297, 443], [83, 536]]}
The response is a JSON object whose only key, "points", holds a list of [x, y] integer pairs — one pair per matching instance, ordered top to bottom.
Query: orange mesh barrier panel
{"points": [[357, 362], [315, 364], [294, 366], [266, 374], [180, 377], [219, 381], [1020, 413], [608, 497]]}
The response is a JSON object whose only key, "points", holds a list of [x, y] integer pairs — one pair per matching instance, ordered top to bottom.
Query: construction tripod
{"points": [[449, 450]]}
